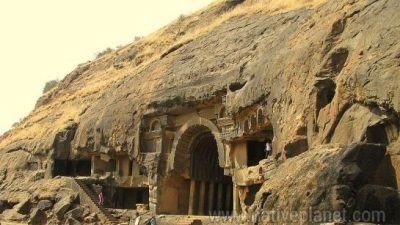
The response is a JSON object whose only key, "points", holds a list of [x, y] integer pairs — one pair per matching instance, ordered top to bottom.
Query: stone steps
{"points": [[94, 200]]}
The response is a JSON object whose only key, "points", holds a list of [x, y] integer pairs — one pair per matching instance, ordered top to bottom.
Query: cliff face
{"points": [[323, 74]]}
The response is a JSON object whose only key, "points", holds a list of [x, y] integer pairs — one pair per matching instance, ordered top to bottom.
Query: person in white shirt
{"points": [[267, 149]]}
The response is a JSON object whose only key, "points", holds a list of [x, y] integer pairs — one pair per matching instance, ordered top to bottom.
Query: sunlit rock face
{"points": [[180, 126]]}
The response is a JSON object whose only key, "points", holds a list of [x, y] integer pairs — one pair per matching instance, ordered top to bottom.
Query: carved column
{"points": [[92, 169], [220, 189], [191, 196], [210, 196], [228, 196], [202, 197], [235, 201]]}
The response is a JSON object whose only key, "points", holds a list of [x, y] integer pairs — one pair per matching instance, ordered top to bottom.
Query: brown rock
{"points": [[44, 204], [37, 217]]}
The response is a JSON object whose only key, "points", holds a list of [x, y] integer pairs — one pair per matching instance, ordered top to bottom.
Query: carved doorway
{"points": [[195, 183], [210, 190]]}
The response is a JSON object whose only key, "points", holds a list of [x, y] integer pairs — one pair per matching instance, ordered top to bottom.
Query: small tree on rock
{"points": [[50, 85]]}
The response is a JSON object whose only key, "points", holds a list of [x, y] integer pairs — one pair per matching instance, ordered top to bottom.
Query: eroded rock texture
{"points": [[188, 120], [327, 184]]}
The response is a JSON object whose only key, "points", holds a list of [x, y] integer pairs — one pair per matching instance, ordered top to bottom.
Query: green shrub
{"points": [[181, 17], [138, 38], [106, 51], [50, 85], [17, 123]]}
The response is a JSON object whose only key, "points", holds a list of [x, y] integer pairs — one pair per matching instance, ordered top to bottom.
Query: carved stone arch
{"points": [[253, 120], [155, 125], [246, 125], [181, 145]]}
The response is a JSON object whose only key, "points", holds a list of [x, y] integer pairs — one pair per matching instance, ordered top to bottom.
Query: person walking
{"points": [[101, 198]]}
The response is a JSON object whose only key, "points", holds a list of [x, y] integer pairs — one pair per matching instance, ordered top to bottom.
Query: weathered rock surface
{"points": [[305, 66], [315, 73], [323, 74], [255, 174], [321, 180], [372, 198], [44, 204], [62, 206], [23, 207], [79, 213], [37, 217], [91, 218], [72, 221]]}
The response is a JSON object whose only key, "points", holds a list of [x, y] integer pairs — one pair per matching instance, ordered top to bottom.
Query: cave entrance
{"points": [[325, 93], [377, 134], [255, 152], [72, 168], [195, 183], [210, 189], [251, 194], [130, 198]]}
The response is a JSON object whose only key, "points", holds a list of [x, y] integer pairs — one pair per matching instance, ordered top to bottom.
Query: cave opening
{"points": [[325, 94], [377, 134], [255, 152], [72, 168], [251, 194], [129, 198]]}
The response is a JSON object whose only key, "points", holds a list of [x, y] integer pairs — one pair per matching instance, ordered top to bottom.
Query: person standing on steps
{"points": [[268, 148], [101, 198]]}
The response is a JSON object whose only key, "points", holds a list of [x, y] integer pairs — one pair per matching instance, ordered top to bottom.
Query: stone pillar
{"points": [[92, 169], [154, 180], [191, 196], [210, 196], [228, 196], [202, 197], [235, 200], [219, 203]]}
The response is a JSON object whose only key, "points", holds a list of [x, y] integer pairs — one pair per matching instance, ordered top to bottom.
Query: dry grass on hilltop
{"points": [[184, 29], [63, 106]]}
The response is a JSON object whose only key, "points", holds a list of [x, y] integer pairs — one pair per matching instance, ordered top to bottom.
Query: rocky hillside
{"points": [[327, 72]]}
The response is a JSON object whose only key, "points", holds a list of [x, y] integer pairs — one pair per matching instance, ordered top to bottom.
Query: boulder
{"points": [[44, 204], [62, 206], [77, 213], [12, 215], [37, 217], [91, 218], [72, 221]]}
